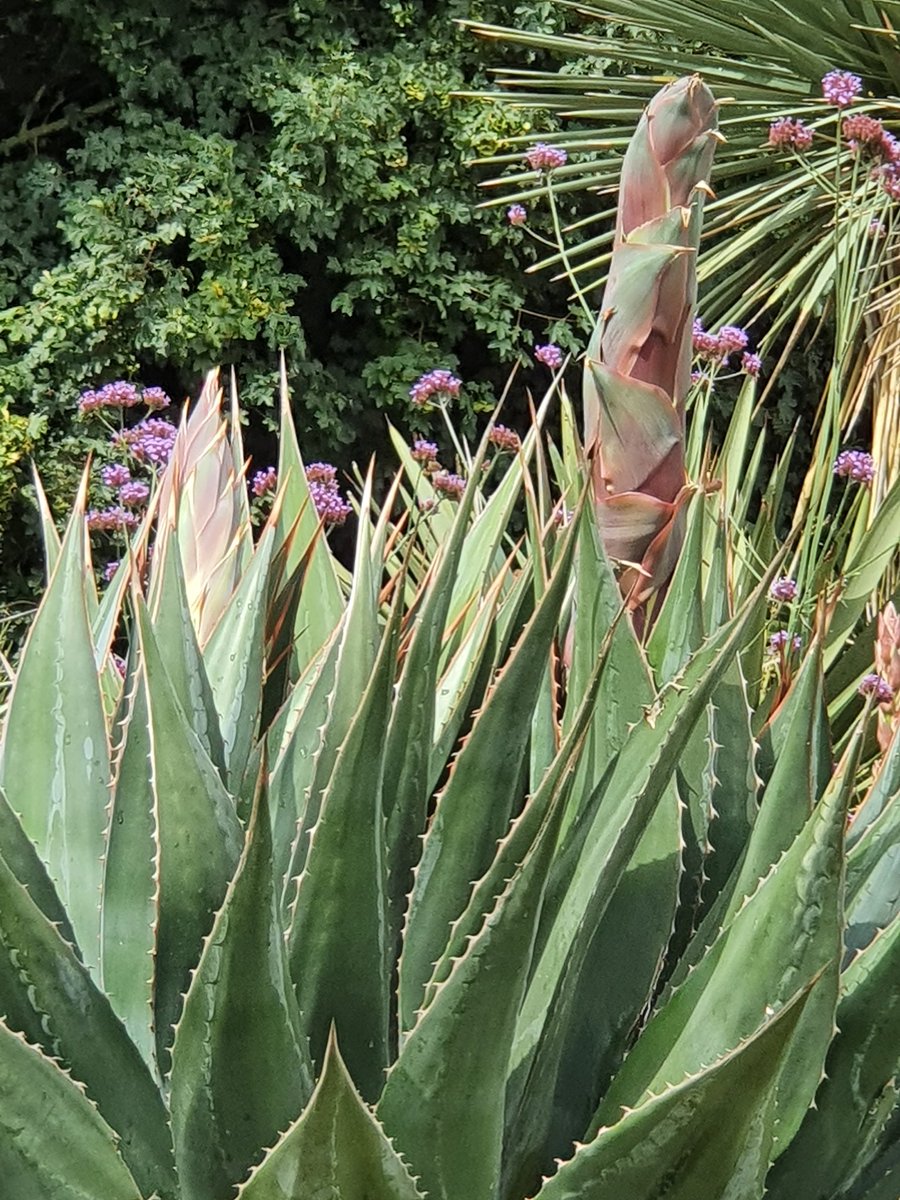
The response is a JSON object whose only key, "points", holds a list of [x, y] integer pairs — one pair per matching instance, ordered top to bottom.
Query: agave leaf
{"points": [[240, 498], [49, 534], [321, 603], [678, 628], [180, 650], [234, 657], [55, 752], [475, 806], [199, 837], [19, 854], [873, 878], [130, 896], [790, 929], [338, 939], [47, 993], [240, 1066], [860, 1088], [443, 1099], [707, 1135], [53, 1143], [336, 1148]]}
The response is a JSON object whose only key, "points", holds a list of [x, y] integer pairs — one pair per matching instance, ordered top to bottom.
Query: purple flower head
{"points": [[841, 88], [790, 133], [865, 135], [543, 157], [888, 175], [516, 214], [877, 229], [732, 340], [717, 347], [550, 355], [751, 364], [438, 383], [120, 394], [155, 397], [506, 440], [151, 442], [424, 452], [856, 465], [115, 475], [264, 481], [448, 484], [133, 494], [330, 505], [110, 519], [110, 569], [784, 589], [778, 642], [119, 663], [873, 685]]}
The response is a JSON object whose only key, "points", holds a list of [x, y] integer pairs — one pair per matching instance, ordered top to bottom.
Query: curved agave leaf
{"points": [[53, 1143], [336, 1148]]}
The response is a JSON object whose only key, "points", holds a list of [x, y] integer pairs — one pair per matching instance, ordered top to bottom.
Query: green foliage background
{"points": [[189, 183]]}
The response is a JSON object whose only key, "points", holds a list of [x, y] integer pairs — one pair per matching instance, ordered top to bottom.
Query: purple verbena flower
{"points": [[841, 88], [790, 133], [865, 135], [543, 157], [888, 175], [516, 214], [877, 229], [731, 340], [550, 355], [751, 364], [438, 383], [119, 394], [155, 397], [506, 440], [151, 441], [424, 452], [856, 465], [320, 472], [115, 475], [264, 481], [448, 484], [134, 494], [330, 505], [114, 518], [110, 569], [784, 589], [778, 642], [119, 663], [873, 685]]}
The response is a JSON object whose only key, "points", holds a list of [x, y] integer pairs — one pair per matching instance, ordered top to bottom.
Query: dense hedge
{"points": [[197, 182]]}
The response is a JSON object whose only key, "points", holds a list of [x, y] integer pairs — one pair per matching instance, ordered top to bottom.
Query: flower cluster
{"points": [[841, 88], [790, 133], [867, 136], [546, 158], [516, 214], [718, 347], [550, 355], [438, 383], [122, 394], [506, 440], [151, 441], [424, 452], [856, 465], [115, 475], [264, 481], [448, 484], [134, 494], [332, 508], [115, 518], [110, 569], [784, 590], [781, 639], [873, 685]]}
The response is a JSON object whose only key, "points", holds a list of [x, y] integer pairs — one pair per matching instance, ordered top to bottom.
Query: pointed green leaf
{"points": [[55, 752], [22, 859], [240, 1066], [53, 1143], [336, 1149]]}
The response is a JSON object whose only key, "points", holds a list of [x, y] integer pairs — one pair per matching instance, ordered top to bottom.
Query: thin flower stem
{"points": [[563, 253]]}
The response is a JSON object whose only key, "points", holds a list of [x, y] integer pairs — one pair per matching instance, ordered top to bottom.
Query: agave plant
{"points": [[341, 889]]}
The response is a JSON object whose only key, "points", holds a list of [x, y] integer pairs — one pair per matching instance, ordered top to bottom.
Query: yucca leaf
{"points": [[55, 751], [474, 808], [199, 838], [338, 938], [48, 994], [240, 1065], [860, 1089], [443, 1100], [707, 1136], [53, 1143], [335, 1149]]}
